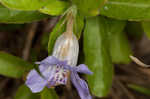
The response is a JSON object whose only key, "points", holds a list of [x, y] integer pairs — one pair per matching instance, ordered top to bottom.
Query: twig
{"points": [[50, 24], [29, 39], [137, 61]]}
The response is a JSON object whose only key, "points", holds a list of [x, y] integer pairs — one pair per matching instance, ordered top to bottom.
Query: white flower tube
{"points": [[66, 46]]}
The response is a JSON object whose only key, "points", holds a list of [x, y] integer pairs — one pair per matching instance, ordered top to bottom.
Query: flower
{"points": [[55, 72]]}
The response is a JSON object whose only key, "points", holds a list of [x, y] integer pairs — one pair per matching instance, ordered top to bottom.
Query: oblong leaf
{"points": [[25, 4], [89, 7], [55, 8], [127, 9], [14, 16], [78, 25], [119, 45], [120, 48], [97, 56], [13, 66], [24, 93]]}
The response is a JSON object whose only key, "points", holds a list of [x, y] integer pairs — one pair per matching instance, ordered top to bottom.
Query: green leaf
{"points": [[25, 4], [89, 7], [55, 8], [127, 9], [14, 16], [78, 25], [146, 27], [56, 32], [119, 45], [120, 48], [97, 56], [13, 66], [140, 89], [24, 93], [49, 94]]}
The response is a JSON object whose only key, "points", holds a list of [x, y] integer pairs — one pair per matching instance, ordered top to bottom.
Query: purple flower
{"points": [[55, 72]]}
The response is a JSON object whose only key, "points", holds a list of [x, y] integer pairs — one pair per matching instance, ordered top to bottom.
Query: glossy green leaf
{"points": [[25, 4], [89, 7], [55, 8], [127, 9], [14, 16], [78, 25], [146, 27], [134, 29], [56, 32], [119, 45], [120, 48], [97, 56], [13, 66], [140, 89], [24, 93], [49, 94]]}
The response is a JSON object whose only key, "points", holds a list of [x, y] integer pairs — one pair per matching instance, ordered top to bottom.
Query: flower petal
{"points": [[50, 60], [62, 63], [82, 68], [46, 71], [54, 75], [35, 82], [80, 85]]}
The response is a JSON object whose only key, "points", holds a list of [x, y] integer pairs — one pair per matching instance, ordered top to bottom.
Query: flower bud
{"points": [[67, 48]]}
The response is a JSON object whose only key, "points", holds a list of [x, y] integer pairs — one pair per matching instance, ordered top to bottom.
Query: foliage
{"points": [[16, 16], [97, 56], [13, 66]]}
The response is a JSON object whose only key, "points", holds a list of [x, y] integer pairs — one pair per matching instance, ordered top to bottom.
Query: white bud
{"points": [[67, 48]]}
